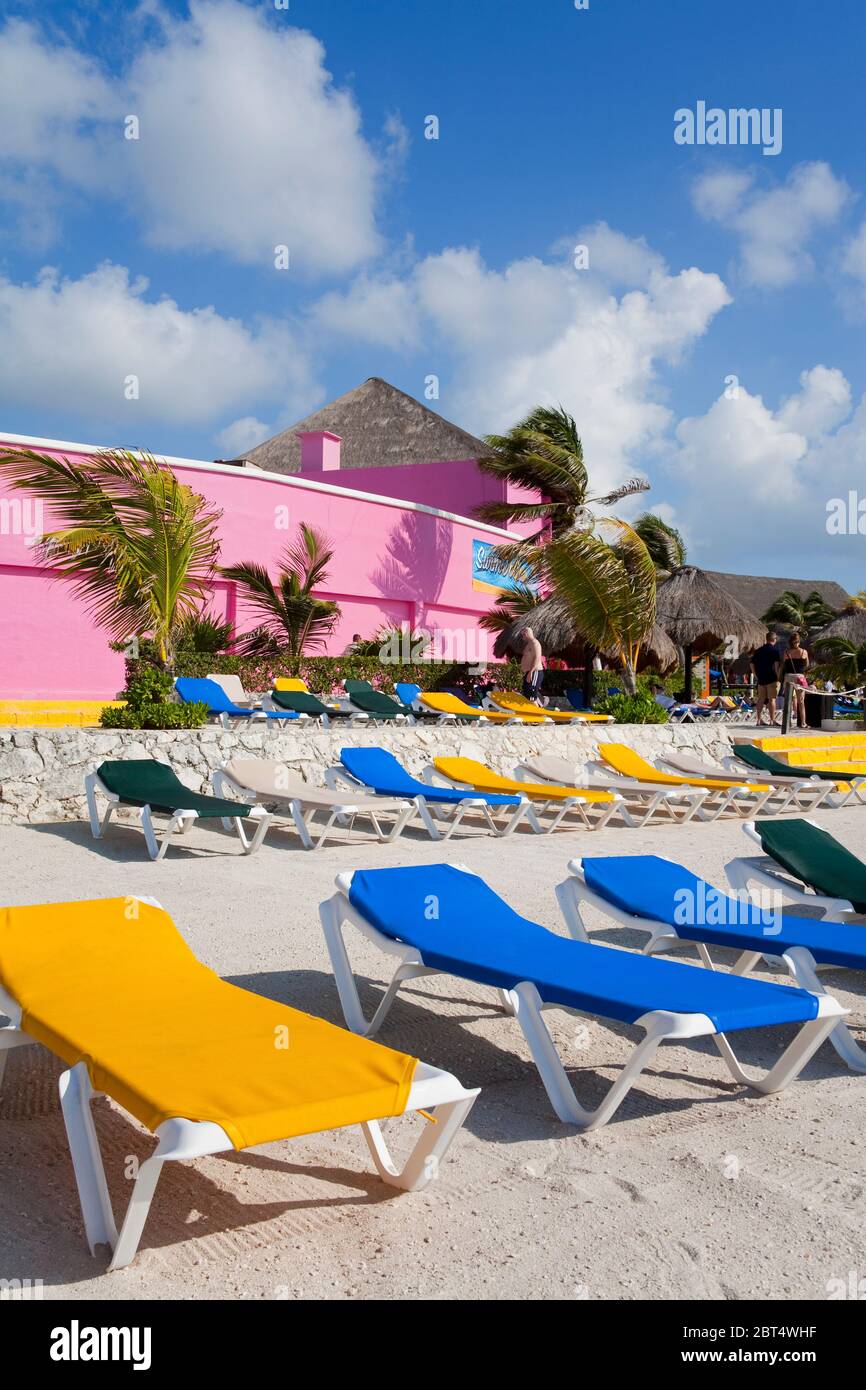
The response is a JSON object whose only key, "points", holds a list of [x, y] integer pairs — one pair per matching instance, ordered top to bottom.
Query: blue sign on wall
{"points": [[486, 577]]}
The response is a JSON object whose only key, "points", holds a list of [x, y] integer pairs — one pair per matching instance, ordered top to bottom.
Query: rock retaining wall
{"points": [[42, 770]]}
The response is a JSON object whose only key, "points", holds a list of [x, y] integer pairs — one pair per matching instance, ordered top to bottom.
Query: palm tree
{"points": [[543, 453], [664, 543], [138, 546], [609, 589], [510, 605], [805, 615], [292, 618], [844, 660]]}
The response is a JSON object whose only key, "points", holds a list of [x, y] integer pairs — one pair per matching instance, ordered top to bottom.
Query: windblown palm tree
{"points": [[544, 453], [664, 543], [137, 545], [609, 588], [510, 605], [807, 614], [292, 618], [844, 660]]}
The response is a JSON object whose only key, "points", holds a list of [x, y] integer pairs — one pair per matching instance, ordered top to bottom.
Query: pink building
{"points": [[406, 547]]}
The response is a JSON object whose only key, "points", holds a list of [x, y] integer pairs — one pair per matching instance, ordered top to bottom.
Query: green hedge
{"points": [[326, 674]]}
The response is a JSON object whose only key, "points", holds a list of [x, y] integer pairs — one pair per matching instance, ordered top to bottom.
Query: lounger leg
{"points": [[262, 818], [97, 827], [150, 840], [331, 919], [802, 966], [10, 1036], [792, 1061], [553, 1074], [76, 1094], [424, 1161], [126, 1244]]}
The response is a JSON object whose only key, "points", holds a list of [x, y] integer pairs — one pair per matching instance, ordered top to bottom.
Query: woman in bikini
{"points": [[793, 673]]}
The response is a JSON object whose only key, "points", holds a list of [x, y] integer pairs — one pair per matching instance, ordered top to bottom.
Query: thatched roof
{"points": [[380, 427], [756, 593], [697, 612], [851, 623], [554, 627]]}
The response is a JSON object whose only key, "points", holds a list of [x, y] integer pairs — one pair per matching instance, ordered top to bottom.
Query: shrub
{"points": [[148, 705], [632, 709], [155, 715]]}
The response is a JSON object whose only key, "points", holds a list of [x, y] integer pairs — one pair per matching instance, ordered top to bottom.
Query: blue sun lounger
{"points": [[193, 689], [440, 809], [658, 896], [441, 919]]}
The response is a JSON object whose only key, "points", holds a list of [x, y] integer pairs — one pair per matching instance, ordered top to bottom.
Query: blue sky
{"points": [[410, 257]]}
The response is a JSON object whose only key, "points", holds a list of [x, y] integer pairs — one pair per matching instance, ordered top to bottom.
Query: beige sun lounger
{"points": [[266, 780], [641, 799]]}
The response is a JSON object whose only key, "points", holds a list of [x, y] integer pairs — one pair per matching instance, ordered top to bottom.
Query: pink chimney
{"points": [[320, 451]]}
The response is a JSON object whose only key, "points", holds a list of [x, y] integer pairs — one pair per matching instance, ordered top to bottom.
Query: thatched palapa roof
{"points": [[380, 427], [756, 593], [695, 611], [851, 623], [554, 627]]}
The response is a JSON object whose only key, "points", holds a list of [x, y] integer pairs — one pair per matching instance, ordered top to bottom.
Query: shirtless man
{"points": [[531, 665]]}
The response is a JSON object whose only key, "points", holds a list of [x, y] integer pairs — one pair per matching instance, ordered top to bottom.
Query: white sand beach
{"points": [[698, 1188]]}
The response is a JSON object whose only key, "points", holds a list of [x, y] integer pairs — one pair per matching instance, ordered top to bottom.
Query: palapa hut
{"points": [[699, 615], [850, 623]]}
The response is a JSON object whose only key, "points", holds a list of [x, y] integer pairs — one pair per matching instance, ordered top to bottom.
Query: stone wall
{"points": [[42, 770]]}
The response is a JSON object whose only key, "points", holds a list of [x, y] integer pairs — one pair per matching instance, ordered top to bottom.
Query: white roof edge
{"points": [[252, 471]]}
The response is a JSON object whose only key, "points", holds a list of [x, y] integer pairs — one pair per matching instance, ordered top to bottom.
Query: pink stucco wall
{"points": [[453, 485], [392, 563]]}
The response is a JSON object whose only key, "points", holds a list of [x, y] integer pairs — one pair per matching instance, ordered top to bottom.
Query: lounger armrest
{"points": [[337, 777]]}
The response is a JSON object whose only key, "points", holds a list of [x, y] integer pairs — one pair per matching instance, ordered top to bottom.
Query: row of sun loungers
{"points": [[370, 784], [134, 1015]]}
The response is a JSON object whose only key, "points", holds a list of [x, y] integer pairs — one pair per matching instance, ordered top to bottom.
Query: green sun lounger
{"points": [[302, 702], [375, 702], [756, 758], [154, 789], [810, 855]]}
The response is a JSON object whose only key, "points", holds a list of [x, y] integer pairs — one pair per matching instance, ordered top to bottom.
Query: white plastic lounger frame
{"points": [[856, 788], [811, 792], [739, 800], [641, 801], [637, 808], [592, 815], [441, 819], [178, 824], [312, 833], [740, 873], [573, 892], [526, 1005], [181, 1139]]}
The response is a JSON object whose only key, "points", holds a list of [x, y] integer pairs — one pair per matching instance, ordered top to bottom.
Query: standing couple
{"points": [[772, 667]]}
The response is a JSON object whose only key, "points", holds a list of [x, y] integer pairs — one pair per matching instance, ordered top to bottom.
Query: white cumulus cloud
{"points": [[775, 225], [74, 343]]}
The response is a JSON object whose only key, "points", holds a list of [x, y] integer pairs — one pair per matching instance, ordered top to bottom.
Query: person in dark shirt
{"points": [[765, 664]]}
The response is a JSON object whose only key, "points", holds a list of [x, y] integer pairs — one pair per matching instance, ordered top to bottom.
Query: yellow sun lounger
{"points": [[446, 704], [518, 704], [753, 795], [563, 800], [111, 988]]}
